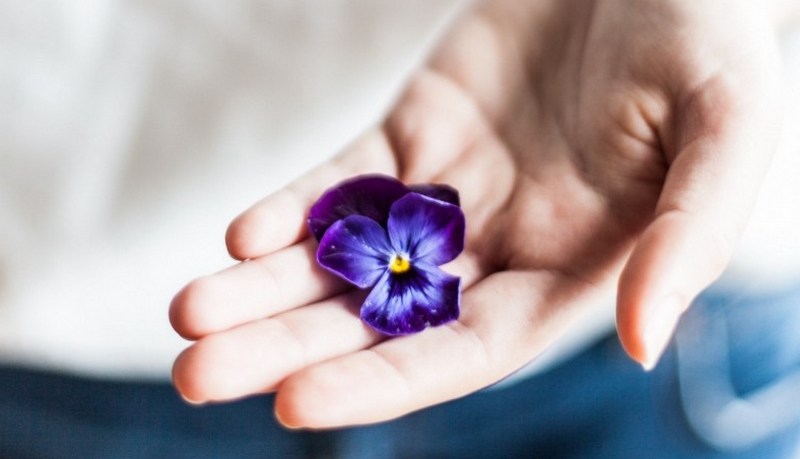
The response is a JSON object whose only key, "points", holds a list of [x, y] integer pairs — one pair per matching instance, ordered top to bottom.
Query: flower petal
{"points": [[444, 193], [368, 195], [426, 229], [355, 248], [399, 305]]}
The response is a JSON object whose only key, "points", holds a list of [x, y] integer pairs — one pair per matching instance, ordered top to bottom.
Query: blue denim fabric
{"points": [[738, 367], [596, 405]]}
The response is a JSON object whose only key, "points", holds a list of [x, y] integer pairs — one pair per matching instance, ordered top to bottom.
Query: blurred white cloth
{"points": [[133, 131]]}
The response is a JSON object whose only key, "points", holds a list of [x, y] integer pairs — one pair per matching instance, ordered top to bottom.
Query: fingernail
{"points": [[658, 328], [192, 402], [284, 423]]}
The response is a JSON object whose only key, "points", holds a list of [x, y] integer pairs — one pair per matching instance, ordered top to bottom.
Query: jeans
{"points": [[727, 387]]}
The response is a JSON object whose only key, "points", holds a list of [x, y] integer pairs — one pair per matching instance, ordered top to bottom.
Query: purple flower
{"points": [[370, 196], [400, 260]]}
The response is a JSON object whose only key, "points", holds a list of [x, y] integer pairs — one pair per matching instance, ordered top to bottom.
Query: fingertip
{"points": [[271, 224], [247, 235], [238, 238], [672, 262], [631, 295], [190, 313], [178, 314], [660, 323], [628, 331], [646, 337], [208, 371], [184, 381], [315, 398], [304, 399], [287, 413], [285, 423]]}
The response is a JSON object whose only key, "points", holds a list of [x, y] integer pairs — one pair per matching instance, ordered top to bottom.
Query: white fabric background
{"points": [[133, 131]]}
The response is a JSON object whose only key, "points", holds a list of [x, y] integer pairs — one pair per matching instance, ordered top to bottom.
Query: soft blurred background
{"points": [[132, 132]]}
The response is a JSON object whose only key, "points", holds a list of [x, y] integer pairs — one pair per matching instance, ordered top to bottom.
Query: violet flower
{"points": [[368, 195], [400, 260]]}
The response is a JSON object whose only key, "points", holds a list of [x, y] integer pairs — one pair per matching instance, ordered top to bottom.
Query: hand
{"points": [[592, 142]]}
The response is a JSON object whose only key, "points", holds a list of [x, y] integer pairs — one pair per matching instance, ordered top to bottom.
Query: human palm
{"points": [[587, 139]]}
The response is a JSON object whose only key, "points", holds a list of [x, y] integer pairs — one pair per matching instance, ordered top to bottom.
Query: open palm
{"points": [[592, 143]]}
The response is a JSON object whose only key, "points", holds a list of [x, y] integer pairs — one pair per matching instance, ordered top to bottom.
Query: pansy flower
{"points": [[376, 232]]}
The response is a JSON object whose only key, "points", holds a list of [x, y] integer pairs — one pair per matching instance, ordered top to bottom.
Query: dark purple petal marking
{"points": [[444, 193], [368, 195], [426, 229], [357, 249], [408, 303]]}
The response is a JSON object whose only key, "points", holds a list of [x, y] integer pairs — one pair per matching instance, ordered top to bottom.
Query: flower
{"points": [[371, 196], [397, 255]]}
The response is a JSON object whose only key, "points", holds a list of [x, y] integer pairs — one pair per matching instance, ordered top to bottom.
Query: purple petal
{"points": [[444, 193], [368, 195], [426, 229], [357, 249], [403, 304]]}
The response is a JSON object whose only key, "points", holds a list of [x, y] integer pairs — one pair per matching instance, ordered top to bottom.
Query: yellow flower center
{"points": [[399, 264]]}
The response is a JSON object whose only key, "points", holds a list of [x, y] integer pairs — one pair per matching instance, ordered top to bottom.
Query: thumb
{"points": [[725, 143]]}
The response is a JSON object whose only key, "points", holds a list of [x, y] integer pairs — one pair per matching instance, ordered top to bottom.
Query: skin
{"points": [[596, 145]]}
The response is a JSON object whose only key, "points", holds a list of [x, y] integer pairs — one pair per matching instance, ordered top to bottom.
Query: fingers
{"points": [[709, 191], [279, 219], [261, 287], [253, 289], [492, 339], [263, 352], [256, 355]]}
